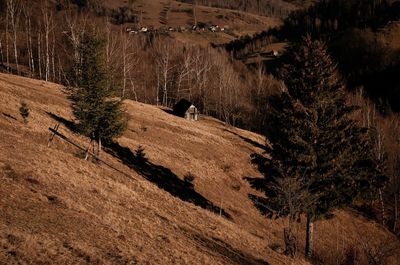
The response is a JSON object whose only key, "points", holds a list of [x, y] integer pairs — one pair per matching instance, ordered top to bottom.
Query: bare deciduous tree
{"points": [[13, 12], [27, 12], [76, 26], [48, 27], [129, 61], [164, 67]]}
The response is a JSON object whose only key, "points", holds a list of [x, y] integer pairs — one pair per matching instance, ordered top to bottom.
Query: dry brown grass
{"points": [[56, 208]]}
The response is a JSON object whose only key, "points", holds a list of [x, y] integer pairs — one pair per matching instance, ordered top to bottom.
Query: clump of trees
{"points": [[275, 8], [358, 34], [384, 130], [320, 158]]}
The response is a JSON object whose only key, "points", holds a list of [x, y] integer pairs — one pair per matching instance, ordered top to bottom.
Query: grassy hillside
{"points": [[57, 208]]}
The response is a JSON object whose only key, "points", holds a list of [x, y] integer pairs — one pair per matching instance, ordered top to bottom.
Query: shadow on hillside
{"points": [[168, 111], [9, 116], [69, 124], [248, 140], [163, 177], [257, 183], [261, 203], [221, 248]]}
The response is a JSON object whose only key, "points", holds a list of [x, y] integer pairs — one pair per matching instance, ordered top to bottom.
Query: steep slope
{"points": [[56, 208]]}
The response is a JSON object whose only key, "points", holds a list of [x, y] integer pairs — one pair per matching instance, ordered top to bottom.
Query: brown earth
{"points": [[56, 208]]}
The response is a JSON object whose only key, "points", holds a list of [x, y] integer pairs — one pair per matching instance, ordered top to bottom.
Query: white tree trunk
{"points": [[13, 11], [47, 24], [7, 46], [39, 51], [1, 52], [99, 148], [382, 207], [396, 213], [309, 237]]}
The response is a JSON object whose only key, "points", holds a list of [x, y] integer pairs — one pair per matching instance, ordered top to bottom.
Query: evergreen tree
{"points": [[24, 111], [98, 113], [316, 146]]}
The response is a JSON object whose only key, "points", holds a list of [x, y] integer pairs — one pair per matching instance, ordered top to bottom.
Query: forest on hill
{"points": [[278, 8], [362, 36], [333, 44]]}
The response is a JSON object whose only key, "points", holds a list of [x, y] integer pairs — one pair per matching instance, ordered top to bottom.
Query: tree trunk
{"points": [[13, 10], [27, 43], [7, 46], [15, 46], [30, 48], [39, 52], [1, 53], [47, 58], [53, 61], [124, 70], [124, 77], [157, 89], [134, 90], [88, 150], [99, 150], [382, 207], [396, 213], [309, 236], [290, 242]]}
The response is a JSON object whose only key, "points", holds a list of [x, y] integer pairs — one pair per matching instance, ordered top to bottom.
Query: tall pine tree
{"points": [[98, 112], [318, 152]]}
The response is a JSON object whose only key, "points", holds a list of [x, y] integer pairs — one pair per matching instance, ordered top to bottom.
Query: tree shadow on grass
{"points": [[168, 111], [67, 123], [247, 140], [163, 177], [258, 183], [221, 248]]}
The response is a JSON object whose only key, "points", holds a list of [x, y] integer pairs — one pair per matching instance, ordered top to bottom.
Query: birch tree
{"points": [[13, 11], [27, 12], [48, 26], [76, 27], [1, 50], [129, 61], [202, 66], [164, 67], [184, 71]]}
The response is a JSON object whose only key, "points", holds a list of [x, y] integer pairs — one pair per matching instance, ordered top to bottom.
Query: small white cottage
{"points": [[186, 109]]}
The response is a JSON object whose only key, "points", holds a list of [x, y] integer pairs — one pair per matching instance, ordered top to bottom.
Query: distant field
{"points": [[164, 14]]}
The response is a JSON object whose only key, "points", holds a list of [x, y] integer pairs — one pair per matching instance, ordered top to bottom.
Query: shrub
{"points": [[24, 111], [140, 155], [226, 167], [189, 178], [236, 186]]}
